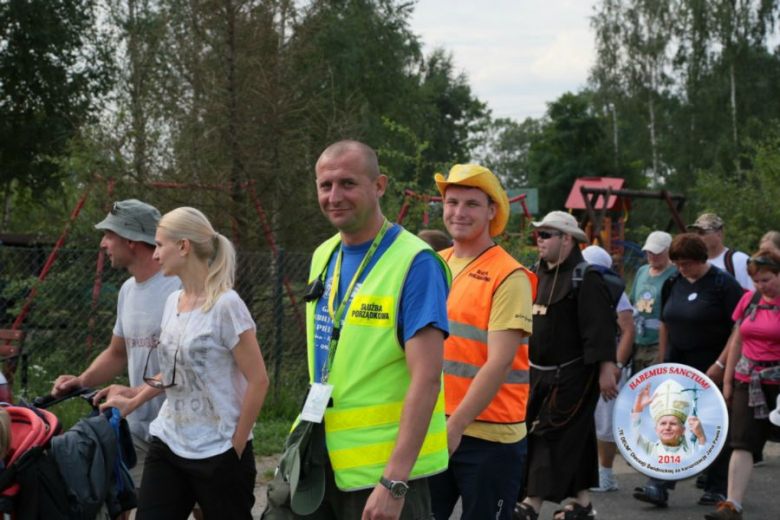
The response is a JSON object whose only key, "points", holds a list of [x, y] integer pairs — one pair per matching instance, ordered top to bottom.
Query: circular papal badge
{"points": [[670, 421]]}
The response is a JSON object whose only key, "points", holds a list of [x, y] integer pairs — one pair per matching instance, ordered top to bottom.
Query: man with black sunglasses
{"points": [[128, 240], [572, 353]]}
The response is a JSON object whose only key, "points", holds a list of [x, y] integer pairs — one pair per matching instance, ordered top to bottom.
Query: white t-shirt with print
{"points": [[740, 267], [138, 321], [201, 411]]}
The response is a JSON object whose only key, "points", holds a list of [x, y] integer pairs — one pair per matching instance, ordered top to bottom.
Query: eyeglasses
{"points": [[116, 209], [702, 232], [547, 235], [763, 260], [156, 383]]}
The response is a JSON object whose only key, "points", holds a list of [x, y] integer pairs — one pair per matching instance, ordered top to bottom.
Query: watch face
{"points": [[398, 489]]}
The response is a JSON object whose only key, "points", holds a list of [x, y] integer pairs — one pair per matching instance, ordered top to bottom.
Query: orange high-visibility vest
{"points": [[466, 349]]}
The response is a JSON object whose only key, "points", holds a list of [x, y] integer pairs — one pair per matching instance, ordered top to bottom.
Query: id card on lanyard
{"points": [[319, 393]]}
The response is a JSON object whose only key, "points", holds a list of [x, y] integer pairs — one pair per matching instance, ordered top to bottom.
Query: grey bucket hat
{"points": [[133, 220]]}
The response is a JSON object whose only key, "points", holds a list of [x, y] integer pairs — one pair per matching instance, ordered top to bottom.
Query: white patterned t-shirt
{"points": [[201, 411]]}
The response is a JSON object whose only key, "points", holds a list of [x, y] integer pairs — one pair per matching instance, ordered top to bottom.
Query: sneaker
{"points": [[607, 481], [652, 494], [711, 499], [725, 511]]}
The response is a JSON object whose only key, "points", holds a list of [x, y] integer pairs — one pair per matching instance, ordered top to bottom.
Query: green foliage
{"points": [[54, 67], [571, 144], [747, 204]]}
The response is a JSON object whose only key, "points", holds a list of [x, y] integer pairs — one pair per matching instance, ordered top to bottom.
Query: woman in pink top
{"points": [[752, 378]]}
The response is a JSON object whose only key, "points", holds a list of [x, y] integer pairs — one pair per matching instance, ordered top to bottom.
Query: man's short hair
{"points": [[339, 148]]}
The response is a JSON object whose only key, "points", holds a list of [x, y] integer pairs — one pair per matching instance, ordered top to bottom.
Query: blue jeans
{"points": [[487, 475]]}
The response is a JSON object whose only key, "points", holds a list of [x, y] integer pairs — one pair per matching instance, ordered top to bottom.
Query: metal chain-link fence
{"points": [[71, 318]]}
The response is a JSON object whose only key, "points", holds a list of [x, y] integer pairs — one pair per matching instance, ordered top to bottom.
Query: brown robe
{"points": [[562, 452]]}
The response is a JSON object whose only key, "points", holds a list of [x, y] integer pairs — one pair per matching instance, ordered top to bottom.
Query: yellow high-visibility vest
{"points": [[369, 375]]}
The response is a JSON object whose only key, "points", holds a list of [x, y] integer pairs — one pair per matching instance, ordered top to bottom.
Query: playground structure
{"points": [[605, 203]]}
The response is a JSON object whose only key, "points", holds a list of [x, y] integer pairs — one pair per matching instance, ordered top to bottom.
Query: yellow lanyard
{"points": [[334, 288]]}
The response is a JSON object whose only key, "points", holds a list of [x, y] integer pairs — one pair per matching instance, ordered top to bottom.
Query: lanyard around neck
{"points": [[336, 314]]}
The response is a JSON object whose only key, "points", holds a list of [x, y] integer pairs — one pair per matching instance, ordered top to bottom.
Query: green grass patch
{"points": [[280, 410], [269, 435]]}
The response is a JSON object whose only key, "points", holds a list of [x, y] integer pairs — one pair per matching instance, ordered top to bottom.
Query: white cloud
{"points": [[518, 54]]}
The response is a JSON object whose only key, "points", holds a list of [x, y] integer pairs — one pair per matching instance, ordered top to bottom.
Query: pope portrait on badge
{"points": [[670, 408]]}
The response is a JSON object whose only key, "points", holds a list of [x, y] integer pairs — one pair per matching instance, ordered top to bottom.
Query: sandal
{"points": [[524, 511], [575, 511]]}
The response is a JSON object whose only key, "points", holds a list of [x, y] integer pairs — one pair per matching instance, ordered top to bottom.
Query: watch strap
{"points": [[391, 484]]}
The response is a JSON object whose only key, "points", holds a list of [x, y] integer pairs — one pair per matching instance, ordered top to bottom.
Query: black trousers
{"points": [[223, 485]]}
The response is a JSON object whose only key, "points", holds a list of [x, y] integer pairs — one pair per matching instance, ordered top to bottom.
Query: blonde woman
{"points": [[213, 376]]}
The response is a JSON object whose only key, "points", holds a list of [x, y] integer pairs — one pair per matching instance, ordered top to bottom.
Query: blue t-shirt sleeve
{"points": [[424, 297]]}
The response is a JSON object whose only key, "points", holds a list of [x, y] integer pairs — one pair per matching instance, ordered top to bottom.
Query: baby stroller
{"points": [[79, 474]]}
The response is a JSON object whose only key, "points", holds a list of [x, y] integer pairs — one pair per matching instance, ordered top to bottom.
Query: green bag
{"points": [[298, 486]]}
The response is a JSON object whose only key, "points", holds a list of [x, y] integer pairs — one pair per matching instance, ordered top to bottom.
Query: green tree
{"points": [[55, 66], [571, 144], [506, 149], [745, 202]]}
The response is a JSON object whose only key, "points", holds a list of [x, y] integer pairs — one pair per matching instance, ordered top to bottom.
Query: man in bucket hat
{"points": [[128, 240], [572, 354], [486, 355]]}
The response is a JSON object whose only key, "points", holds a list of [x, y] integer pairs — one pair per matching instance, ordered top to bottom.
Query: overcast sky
{"points": [[517, 54]]}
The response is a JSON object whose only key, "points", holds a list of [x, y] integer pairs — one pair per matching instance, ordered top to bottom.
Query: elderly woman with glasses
{"points": [[696, 323], [213, 376], [752, 380]]}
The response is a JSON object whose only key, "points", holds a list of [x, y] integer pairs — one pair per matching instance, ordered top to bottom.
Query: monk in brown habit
{"points": [[572, 353]]}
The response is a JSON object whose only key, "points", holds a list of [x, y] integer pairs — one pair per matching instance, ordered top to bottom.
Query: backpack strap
{"points": [[728, 262], [578, 275], [666, 289], [754, 306]]}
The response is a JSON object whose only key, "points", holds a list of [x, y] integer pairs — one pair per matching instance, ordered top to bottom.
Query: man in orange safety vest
{"points": [[486, 355]]}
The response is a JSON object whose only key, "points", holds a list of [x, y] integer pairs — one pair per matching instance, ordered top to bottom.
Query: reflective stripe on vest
{"points": [[465, 351], [370, 384]]}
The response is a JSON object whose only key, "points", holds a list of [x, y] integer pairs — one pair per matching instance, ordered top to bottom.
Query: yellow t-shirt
{"points": [[511, 310]]}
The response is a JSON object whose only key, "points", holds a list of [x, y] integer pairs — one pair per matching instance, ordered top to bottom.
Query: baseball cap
{"points": [[476, 176], [133, 220], [707, 222], [564, 223], [657, 242]]}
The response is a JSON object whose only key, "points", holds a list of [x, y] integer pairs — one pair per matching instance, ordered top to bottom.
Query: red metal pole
{"points": [[402, 213], [270, 237], [50, 260], [97, 286]]}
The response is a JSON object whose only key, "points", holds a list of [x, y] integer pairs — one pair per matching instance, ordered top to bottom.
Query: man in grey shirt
{"points": [[128, 238]]}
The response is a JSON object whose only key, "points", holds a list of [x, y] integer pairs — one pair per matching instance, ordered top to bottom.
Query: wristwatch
{"points": [[620, 365], [398, 488]]}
